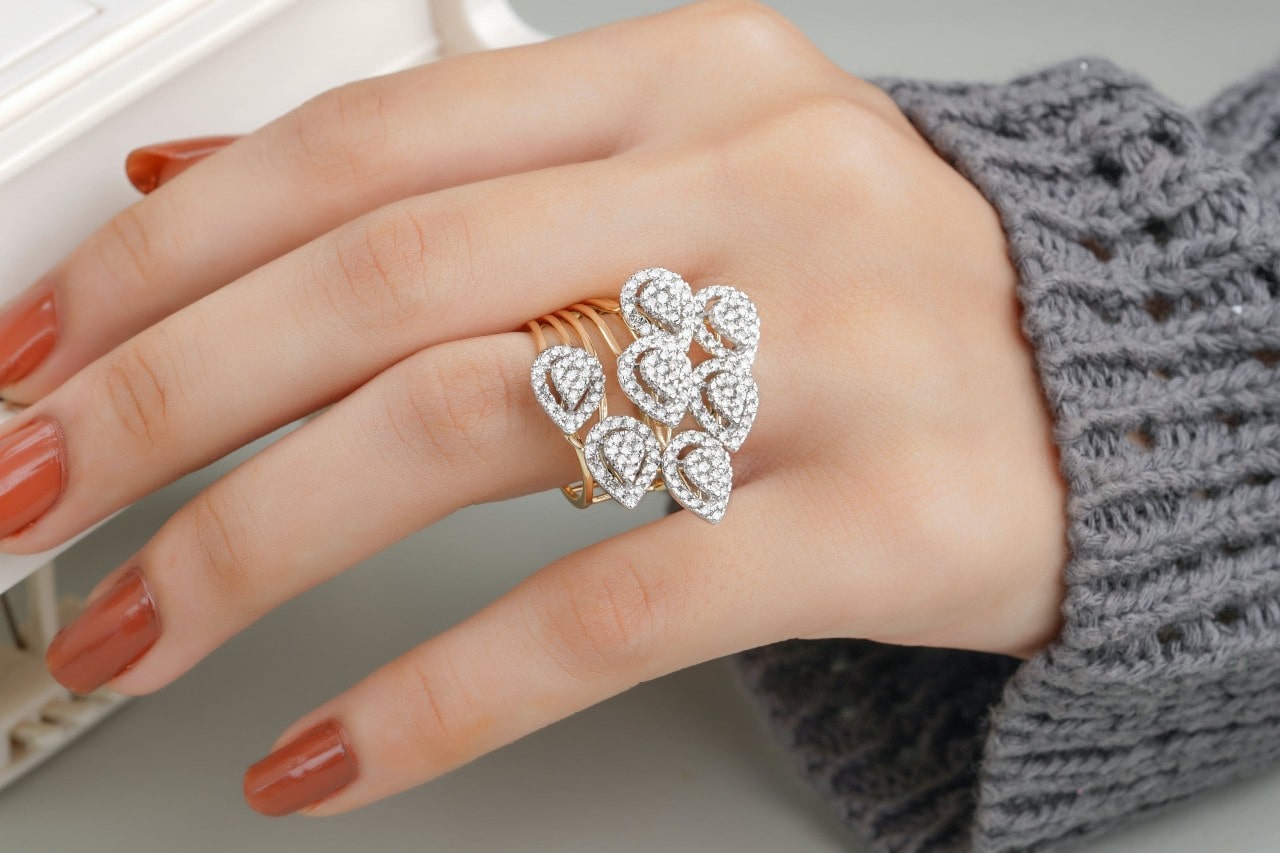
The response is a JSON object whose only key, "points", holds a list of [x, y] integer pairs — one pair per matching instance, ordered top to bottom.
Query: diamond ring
{"points": [[669, 328]]}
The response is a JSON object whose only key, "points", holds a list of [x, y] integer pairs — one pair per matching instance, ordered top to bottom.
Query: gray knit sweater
{"points": [[1147, 238]]}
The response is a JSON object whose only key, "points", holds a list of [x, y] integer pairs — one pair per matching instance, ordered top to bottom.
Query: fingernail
{"points": [[152, 165], [28, 330], [31, 473], [108, 637], [305, 770]]}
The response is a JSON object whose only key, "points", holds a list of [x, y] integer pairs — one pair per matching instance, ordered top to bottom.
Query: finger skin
{"points": [[458, 120], [340, 155], [304, 331], [435, 432], [658, 598], [587, 627]]}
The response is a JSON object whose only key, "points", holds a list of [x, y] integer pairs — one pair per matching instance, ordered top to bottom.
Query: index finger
{"points": [[340, 155]]}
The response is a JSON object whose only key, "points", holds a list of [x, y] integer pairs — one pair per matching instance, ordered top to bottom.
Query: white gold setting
{"points": [[657, 300], [728, 323], [655, 374], [568, 382], [726, 400], [625, 456], [696, 470]]}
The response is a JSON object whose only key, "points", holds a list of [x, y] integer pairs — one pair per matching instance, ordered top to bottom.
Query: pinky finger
{"points": [[656, 599]]}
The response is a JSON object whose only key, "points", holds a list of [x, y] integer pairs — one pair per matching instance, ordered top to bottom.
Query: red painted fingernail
{"points": [[153, 165], [28, 330], [31, 473], [108, 637], [315, 764]]}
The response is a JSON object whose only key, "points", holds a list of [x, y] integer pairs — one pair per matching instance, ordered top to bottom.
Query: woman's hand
{"points": [[374, 249]]}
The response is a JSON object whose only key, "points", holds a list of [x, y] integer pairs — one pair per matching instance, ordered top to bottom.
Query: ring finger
{"points": [[312, 326], [453, 425]]}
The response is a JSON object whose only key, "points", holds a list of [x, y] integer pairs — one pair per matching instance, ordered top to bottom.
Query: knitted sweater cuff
{"points": [[1148, 266]]}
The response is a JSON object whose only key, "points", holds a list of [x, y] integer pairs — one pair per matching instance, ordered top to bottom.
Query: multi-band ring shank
{"points": [[575, 371], [627, 456]]}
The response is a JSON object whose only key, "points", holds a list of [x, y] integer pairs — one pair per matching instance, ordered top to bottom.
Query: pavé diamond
{"points": [[658, 300], [729, 323], [654, 373], [568, 382], [726, 400], [624, 457], [697, 473]]}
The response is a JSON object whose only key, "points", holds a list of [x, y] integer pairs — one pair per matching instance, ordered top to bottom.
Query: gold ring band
{"points": [[568, 327], [626, 456]]}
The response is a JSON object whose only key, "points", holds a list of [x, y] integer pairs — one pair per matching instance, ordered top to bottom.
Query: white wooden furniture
{"points": [[81, 83]]}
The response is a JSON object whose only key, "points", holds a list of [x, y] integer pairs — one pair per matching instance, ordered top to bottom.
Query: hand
{"points": [[374, 249]]}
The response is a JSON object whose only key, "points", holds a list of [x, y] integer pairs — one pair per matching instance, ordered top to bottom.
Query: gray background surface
{"points": [[679, 763]]}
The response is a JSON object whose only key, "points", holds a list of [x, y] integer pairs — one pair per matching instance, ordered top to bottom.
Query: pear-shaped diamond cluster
{"points": [[626, 455]]}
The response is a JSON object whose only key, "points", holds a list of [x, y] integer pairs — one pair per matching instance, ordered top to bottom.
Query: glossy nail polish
{"points": [[152, 165], [28, 331], [31, 473], [112, 633], [315, 764]]}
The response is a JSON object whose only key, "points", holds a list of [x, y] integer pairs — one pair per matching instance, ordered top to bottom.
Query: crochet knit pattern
{"points": [[1147, 239]]}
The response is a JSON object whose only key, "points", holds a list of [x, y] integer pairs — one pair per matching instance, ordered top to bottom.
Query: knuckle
{"points": [[747, 27], [749, 36], [881, 103], [834, 131], [338, 135], [856, 146], [846, 148], [124, 247], [378, 281], [140, 390], [451, 407], [223, 544], [596, 619], [440, 714]]}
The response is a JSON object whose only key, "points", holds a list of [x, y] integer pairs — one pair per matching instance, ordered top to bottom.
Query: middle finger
{"points": [[306, 329], [452, 425]]}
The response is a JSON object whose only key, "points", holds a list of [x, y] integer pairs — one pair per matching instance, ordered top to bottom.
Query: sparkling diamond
{"points": [[658, 300], [729, 323], [655, 374], [568, 382], [726, 400], [624, 457], [707, 470], [697, 473]]}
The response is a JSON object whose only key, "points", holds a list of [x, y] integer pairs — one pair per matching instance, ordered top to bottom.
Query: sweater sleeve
{"points": [[1243, 124], [1148, 249]]}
